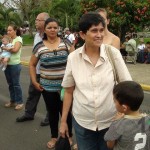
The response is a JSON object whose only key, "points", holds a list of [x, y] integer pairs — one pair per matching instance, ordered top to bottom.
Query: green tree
{"points": [[29, 9], [66, 11], [125, 15], [129, 15], [8, 16]]}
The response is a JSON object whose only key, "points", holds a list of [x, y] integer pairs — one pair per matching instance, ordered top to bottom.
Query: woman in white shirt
{"points": [[88, 83]]}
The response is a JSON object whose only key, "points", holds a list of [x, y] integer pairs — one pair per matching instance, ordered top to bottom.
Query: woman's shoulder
{"points": [[18, 39], [38, 46], [111, 48], [113, 52], [76, 53]]}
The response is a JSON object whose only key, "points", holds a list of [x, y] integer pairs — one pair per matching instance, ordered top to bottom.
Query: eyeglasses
{"points": [[39, 20]]}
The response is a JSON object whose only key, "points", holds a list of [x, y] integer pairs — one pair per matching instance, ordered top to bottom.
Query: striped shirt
{"points": [[52, 65]]}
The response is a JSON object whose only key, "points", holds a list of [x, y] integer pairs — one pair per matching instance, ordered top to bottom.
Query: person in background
{"points": [[70, 36], [109, 37], [130, 44], [141, 45], [131, 49], [123, 51], [141, 52], [52, 53], [147, 53], [5, 55], [13, 70], [86, 85], [34, 94], [132, 131]]}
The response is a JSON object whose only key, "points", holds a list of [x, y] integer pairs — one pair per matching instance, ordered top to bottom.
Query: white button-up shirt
{"points": [[37, 39], [93, 105]]}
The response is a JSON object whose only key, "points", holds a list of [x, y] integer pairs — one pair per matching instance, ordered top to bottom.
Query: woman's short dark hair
{"points": [[89, 19], [47, 22], [129, 93]]}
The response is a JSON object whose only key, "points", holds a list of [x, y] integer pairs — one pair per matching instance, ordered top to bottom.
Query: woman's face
{"points": [[51, 29], [11, 32], [94, 36]]}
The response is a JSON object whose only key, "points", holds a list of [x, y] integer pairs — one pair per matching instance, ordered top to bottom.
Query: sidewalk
{"points": [[139, 72]]}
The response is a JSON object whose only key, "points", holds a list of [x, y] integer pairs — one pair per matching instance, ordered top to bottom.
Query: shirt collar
{"points": [[103, 55]]}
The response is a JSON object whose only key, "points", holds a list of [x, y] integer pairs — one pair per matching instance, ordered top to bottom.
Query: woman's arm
{"points": [[13, 49], [32, 68], [68, 97], [110, 144]]}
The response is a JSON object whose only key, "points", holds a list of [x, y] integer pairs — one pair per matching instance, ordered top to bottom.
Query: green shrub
{"points": [[27, 39]]}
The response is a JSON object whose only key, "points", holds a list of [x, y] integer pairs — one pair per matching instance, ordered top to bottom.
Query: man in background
{"points": [[69, 36], [34, 95]]}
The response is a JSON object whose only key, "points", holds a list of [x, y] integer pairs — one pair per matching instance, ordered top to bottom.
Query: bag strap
{"points": [[65, 45], [111, 60]]}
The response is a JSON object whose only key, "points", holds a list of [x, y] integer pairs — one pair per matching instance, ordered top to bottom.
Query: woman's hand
{"points": [[38, 86], [64, 129]]}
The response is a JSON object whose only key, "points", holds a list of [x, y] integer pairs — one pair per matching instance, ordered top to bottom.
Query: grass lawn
{"points": [[27, 39], [145, 40]]}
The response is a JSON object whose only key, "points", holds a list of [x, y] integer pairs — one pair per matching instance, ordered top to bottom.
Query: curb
{"points": [[25, 63], [144, 86]]}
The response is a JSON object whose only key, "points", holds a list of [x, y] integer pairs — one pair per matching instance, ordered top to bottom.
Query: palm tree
{"points": [[66, 11]]}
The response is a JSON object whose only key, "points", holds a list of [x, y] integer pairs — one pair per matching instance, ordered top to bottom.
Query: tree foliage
{"points": [[66, 11], [125, 15], [8, 16]]}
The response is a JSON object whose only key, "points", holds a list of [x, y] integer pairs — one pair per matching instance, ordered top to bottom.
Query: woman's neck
{"points": [[13, 37], [52, 40], [92, 50], [133, 113]]}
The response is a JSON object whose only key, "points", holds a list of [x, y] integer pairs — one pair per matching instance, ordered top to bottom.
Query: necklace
{"points": [[52, 42]]}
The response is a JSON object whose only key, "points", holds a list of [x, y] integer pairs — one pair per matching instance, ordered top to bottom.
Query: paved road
{"points": [[28, 135], [21, 136]]}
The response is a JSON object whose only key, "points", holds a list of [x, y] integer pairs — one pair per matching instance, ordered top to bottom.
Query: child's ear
{"points": [[125, 108]]}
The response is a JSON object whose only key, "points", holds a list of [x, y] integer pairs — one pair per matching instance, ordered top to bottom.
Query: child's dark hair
{"points": [[89, 19], [47, 22], [129, 93]]}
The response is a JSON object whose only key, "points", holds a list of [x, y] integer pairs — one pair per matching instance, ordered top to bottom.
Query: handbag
{"points": [[112, 62], [63, 144]]}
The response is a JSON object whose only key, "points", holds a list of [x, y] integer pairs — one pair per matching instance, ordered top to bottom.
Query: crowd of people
{"points": [[140, 51], [97, 108]]}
